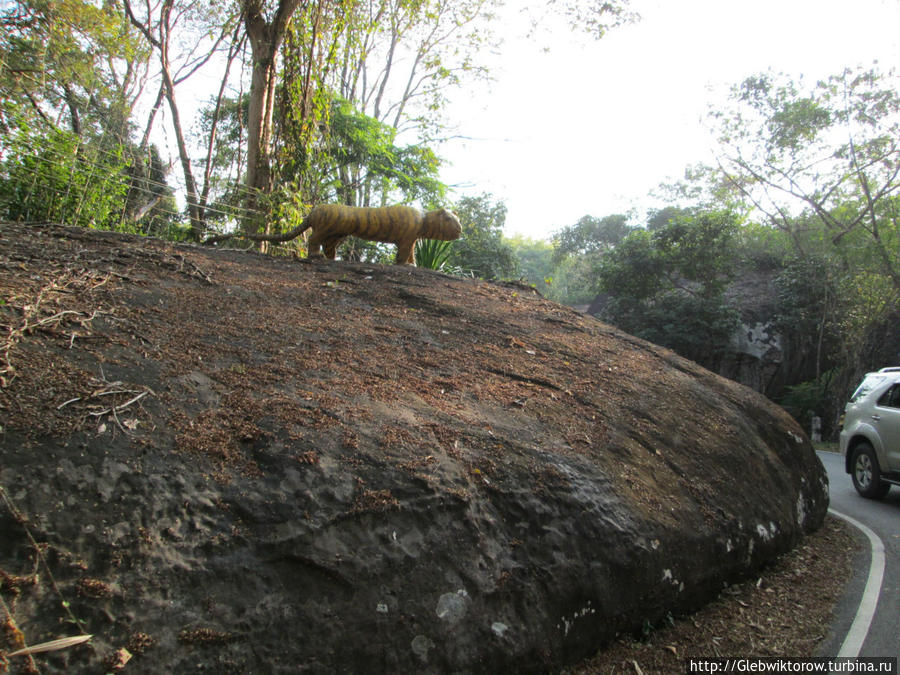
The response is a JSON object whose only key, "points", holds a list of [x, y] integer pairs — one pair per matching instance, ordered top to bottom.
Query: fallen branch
{"points": [[29, 321], [99, 393], [116, 408]]}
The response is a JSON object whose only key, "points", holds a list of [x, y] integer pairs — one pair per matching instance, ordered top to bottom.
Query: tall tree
{"points": [[159, 24], [266, 29], [406, 51], [397, 59], [68, 64], [70, 73], [832, 148], [822, 163], [481, 250]]}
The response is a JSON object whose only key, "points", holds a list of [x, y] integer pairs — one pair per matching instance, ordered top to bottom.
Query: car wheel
{"points": [[866, 474]]}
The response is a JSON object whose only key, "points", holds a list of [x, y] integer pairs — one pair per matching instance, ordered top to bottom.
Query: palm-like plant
{"points": [[433, 254]]}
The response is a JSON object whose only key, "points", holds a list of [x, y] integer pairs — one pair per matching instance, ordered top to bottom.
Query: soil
{"points": [[204, 449]]}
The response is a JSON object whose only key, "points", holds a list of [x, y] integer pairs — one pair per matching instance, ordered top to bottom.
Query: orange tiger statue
{"points": [[400, 225]]}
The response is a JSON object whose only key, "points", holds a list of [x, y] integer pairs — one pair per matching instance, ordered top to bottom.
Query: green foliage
{"points": [[442, 41], [71, 60], [830, 149], [355, 160], [818, 161], [55, 177], [225, 190], [286, 211], [590, 236], [698, 247], [760, 247], [481, 250], [578, 251], [694, 252], [434, 254], [535, 262], [633, 269], [571, 281], [574, 281], [668, 285], [808, 298], [808, 315], [697, 327], [810, 398]]}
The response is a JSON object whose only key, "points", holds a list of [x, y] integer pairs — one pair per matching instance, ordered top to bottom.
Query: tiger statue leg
{"points": [[314, 245], [330, 245], [406, 253]]}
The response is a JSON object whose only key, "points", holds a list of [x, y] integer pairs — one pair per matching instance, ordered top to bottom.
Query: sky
{"points": [[571, 126]]}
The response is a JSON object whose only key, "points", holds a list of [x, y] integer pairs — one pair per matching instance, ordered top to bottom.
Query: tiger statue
{"points": [[400, 225]]}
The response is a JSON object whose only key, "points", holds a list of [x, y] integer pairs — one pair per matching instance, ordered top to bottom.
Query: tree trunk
{"points": [[265, 40], [168, 90], [197, 221]]}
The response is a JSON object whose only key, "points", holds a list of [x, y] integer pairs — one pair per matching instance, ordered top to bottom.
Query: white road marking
{"points": [[859, 629]]}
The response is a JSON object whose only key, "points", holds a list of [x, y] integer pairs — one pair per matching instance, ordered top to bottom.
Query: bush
{"points": [[55, 177]]}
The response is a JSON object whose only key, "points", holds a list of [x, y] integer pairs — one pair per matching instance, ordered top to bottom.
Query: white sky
{"points": [[591, 127]]}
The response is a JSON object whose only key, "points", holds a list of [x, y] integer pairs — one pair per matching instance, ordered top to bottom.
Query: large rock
{"points": [[756, 356], [236, 463]]}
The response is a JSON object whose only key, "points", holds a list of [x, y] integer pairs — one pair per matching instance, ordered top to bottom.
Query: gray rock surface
{"points": [[353, 468]]}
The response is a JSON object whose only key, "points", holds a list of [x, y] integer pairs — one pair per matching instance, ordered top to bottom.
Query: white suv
{"points": [[870, 434]]}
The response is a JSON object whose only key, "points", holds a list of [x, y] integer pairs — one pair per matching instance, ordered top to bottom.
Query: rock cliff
{"points": [[226, 462]]}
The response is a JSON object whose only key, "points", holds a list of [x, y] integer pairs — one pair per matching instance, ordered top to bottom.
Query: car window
{"points": [[867, 385], [890, 398]]}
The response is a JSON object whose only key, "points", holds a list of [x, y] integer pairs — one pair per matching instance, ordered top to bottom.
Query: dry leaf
{"points": [[122, 657]]}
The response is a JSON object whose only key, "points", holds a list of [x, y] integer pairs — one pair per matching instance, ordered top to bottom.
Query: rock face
{"points": [[756, 356], [237, 463]]}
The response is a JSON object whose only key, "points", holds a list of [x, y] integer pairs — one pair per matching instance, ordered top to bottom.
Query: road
{"points": [[882, 518]]}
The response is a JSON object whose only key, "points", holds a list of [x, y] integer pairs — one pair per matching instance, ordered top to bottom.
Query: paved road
{"points": [[883, 518]]}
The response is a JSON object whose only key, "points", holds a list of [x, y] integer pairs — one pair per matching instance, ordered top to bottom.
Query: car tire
{"points": [[866, 473]]}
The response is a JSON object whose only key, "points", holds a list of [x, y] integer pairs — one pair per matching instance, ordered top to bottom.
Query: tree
{"points": [[159, 31], [265, 31], [401, 56], [397, 59], [67, 64], [83, 65], [70, 73], [833, 148], [357, 161], [821, 163], [52, 175], [591, 236], [481, 249], [577, 253], [535, 260], [668, 285], [808, 318]]}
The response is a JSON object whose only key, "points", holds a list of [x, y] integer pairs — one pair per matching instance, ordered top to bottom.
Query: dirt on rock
{"points": [[218, 460]]}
